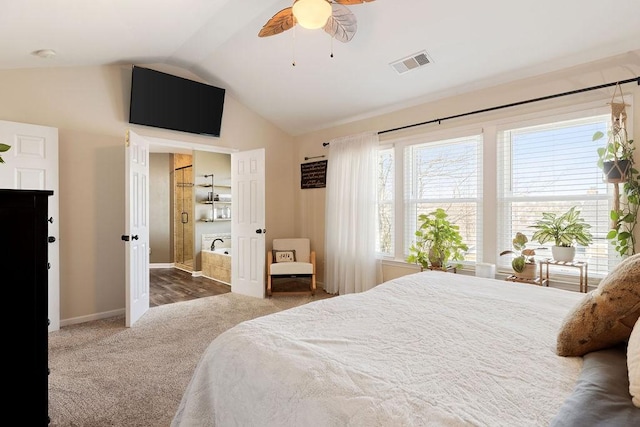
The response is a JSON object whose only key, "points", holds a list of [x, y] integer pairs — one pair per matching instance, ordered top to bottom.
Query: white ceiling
{"points": [[473, 44]]}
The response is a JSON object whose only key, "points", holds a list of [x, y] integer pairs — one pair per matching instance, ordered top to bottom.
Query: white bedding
{"points": [[431, 348]]}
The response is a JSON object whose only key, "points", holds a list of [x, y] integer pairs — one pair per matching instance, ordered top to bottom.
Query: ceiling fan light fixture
{"points": [[312, 14]]}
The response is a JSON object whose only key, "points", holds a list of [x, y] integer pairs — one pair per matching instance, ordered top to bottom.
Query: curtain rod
{"points": [[514, 104]]}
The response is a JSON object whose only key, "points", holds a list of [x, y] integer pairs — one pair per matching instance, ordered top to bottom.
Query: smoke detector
{"points": [[44, 53], [411, 62]]}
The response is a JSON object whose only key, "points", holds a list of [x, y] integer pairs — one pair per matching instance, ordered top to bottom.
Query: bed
{"points": [[430, 348]]}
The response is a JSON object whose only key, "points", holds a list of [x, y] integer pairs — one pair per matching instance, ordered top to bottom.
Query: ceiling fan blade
{"points": [[352, 2], [280, 22], [342, 24]]}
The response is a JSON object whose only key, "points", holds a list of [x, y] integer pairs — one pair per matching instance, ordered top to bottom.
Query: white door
{"points": [[32, 164], [247, 223], [136, 237]]}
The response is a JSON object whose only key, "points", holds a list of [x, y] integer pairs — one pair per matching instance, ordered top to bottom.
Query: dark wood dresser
{"points": [[24, 276]]}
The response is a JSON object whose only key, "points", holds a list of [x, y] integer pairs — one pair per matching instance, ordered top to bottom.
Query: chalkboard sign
{"points": [[313, 175]]}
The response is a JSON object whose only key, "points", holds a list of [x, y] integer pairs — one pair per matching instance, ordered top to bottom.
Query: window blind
{"points": [[550, 168]]}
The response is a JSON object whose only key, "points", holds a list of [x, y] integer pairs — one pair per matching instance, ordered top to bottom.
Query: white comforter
{"points": [[431, 348]]}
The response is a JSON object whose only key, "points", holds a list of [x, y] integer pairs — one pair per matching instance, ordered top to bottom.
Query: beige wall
{"points": [[89, 106], [310, 203], [160, 208]]}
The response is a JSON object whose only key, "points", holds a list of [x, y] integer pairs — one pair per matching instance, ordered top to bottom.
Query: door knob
{"points": [[261, 231], [51, 239]]}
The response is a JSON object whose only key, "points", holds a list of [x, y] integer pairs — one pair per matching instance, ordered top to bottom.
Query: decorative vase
{"points": [[563, 253]]}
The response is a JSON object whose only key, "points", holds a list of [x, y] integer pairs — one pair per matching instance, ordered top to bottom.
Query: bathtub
{"points": [[221, 251], [216, 264]]}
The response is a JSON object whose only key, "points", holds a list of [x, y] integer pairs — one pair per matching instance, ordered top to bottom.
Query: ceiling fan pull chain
{"points": [[331, 38], [293, 48]]}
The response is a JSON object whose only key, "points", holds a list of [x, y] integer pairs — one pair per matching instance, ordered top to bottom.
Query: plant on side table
{"points": [[565, 231], [438, 241], [524, 262]]}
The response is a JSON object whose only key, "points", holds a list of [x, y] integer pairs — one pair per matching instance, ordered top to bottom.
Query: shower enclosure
{"points": [[183, 217]]}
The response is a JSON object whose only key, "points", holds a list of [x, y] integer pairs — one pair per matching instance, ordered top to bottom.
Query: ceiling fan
{"points": [[330, 15]]}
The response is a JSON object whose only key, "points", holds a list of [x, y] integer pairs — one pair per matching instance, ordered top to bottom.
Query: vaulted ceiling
{"points": [[471, 44]]}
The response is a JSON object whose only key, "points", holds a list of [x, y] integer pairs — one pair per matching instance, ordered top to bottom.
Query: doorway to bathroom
{"points": [[181, 217]]}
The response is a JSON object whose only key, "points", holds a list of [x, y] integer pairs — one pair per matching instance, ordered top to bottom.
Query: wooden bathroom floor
{"points": [[169, 285]]}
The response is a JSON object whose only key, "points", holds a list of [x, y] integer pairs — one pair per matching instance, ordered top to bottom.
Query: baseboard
{"points": [[162, 265], [217, 280], [92, 317]]}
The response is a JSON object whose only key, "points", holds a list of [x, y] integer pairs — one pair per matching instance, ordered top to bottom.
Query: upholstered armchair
{"points": [[291, 258]]}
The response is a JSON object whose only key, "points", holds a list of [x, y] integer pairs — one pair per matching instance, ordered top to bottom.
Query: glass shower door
{"points": [[183, 218]]}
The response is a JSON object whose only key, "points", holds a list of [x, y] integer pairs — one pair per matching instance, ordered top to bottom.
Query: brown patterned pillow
{"points": [[606, 315]]}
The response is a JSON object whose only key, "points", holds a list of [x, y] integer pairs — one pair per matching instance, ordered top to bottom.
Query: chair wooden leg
{"points": [[313, 284], [269, 285]]}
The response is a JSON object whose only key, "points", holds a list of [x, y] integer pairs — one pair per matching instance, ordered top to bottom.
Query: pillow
{"points": [[284, 256], [606, 315], [633, 363], [601, 394]]}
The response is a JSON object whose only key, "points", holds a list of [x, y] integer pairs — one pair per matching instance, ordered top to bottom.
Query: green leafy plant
{"points": [[3, 148], [626, 204], [624, 218], [564, 230], [438, 241], [522, 256]]}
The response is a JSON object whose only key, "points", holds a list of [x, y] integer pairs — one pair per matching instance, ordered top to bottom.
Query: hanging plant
{"points": [[3, 148], [617, 163]]}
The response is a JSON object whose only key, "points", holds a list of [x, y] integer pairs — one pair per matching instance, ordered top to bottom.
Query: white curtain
{"points": [[350, 256]]}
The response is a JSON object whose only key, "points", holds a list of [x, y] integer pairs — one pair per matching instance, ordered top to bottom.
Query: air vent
{"points": [[412, 62]]}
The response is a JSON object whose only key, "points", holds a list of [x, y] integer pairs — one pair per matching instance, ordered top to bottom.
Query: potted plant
{"points": [[3, 148], [565, 231], [438, 241], [524, 262]]}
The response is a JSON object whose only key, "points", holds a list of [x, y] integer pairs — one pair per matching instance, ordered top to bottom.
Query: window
{"points": [[545, 164], [551, 167], [445, 174]]}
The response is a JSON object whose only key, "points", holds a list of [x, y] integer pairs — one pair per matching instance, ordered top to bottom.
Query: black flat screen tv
{"points": [[170, 102]]}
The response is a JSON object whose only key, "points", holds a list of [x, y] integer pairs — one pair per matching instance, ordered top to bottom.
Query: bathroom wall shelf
{"points": [[220, 209]]}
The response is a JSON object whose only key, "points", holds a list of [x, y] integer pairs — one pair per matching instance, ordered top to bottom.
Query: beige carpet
{"points": [[104, 374]]}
